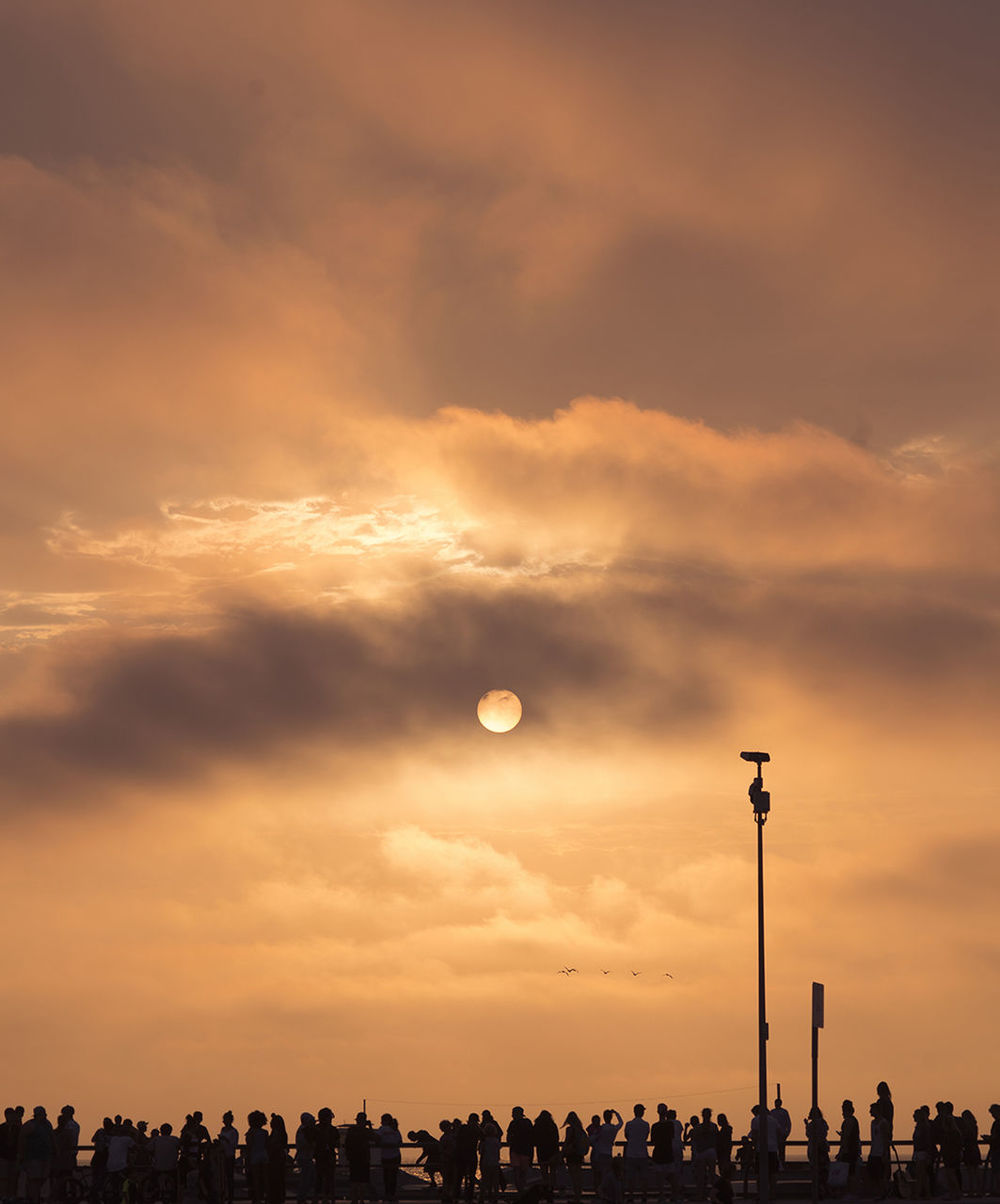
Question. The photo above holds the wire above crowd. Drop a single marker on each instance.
(613, 1159)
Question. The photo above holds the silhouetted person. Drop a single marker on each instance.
(772, 1141)
(604, 1146)
(229, 1135)
(490, 1137)
(636, 1153)
(724, 1146)
(972, 1159)
(949, 1140)
(467, 1155)
(327, 1146)
(276, 1146)
(357, 1151)
(520, 1147)
(878, 1151)
(390, 1142)
(256, 1157)
(993, 1154)
(661, 1134)
(10, 1171)
(166, 1147)
(37, 1153)
(704, 1142)
(305, 1156)
(782, 1126)
(448, 1148)
(67, 1144)
(818, 1147)
(883, 1098)
(430, 1152)
(849, 1151)
(593, 1129)
(545, 1138)
(924, 1152)
(573, 1151)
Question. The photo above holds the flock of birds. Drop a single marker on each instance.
(568, 970)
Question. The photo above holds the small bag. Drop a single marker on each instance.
(839, 1175)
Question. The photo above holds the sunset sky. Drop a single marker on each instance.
(359, 358)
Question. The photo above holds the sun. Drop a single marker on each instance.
(499, 710)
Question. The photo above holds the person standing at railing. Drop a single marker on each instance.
(575, 1145)
(850, 1143)
(256, 1157)
(724, 1146)
(229, 1135)
(37, 1153)
(276, 1145)
(327, 1145)
(636, 1153)
(67, 1145)
(390, 1142)
(704, 1140)
(818, 1147)
(604, 1146)
(520, 1147)
(357, 1149)
(166, 1151)
(782, 1123)
(467, 1155)
(305, 1157)
(993, 1156)
(490, 1137)
(545, 1136)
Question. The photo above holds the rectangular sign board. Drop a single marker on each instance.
(818, 1004)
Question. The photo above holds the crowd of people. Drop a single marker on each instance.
(618, 1161)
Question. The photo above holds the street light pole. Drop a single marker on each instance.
(761, 800)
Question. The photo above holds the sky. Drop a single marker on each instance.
(358, 359)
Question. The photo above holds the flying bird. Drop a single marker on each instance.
(605, 971)
(667, 974)
(570, 970)
(636, 973)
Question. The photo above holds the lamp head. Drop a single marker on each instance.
(759, 758)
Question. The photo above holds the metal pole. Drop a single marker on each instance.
(764, 1170)
(813, 1112)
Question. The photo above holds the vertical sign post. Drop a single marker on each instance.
(817, 1024)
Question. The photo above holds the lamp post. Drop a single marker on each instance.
(761, 801)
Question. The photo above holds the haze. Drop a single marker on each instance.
(641, 360)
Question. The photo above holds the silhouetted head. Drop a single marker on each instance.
(595, 1119)
(361, 1118)
(671, 1114)
(325, 1115)
(875, 1109)
(38, 1112)
(706, 1114)
(995, 1110)
(227, 1118)
(639, 1109)
(777, 1102)
(517, 1112)
(571, 1120)
(67, 1110)
(723, 1119)
(882, 1091)
(847, 1107)
(473, 1118)
(661, 1111)
(197, 1117)
(608, 1113)
(167, 1128)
